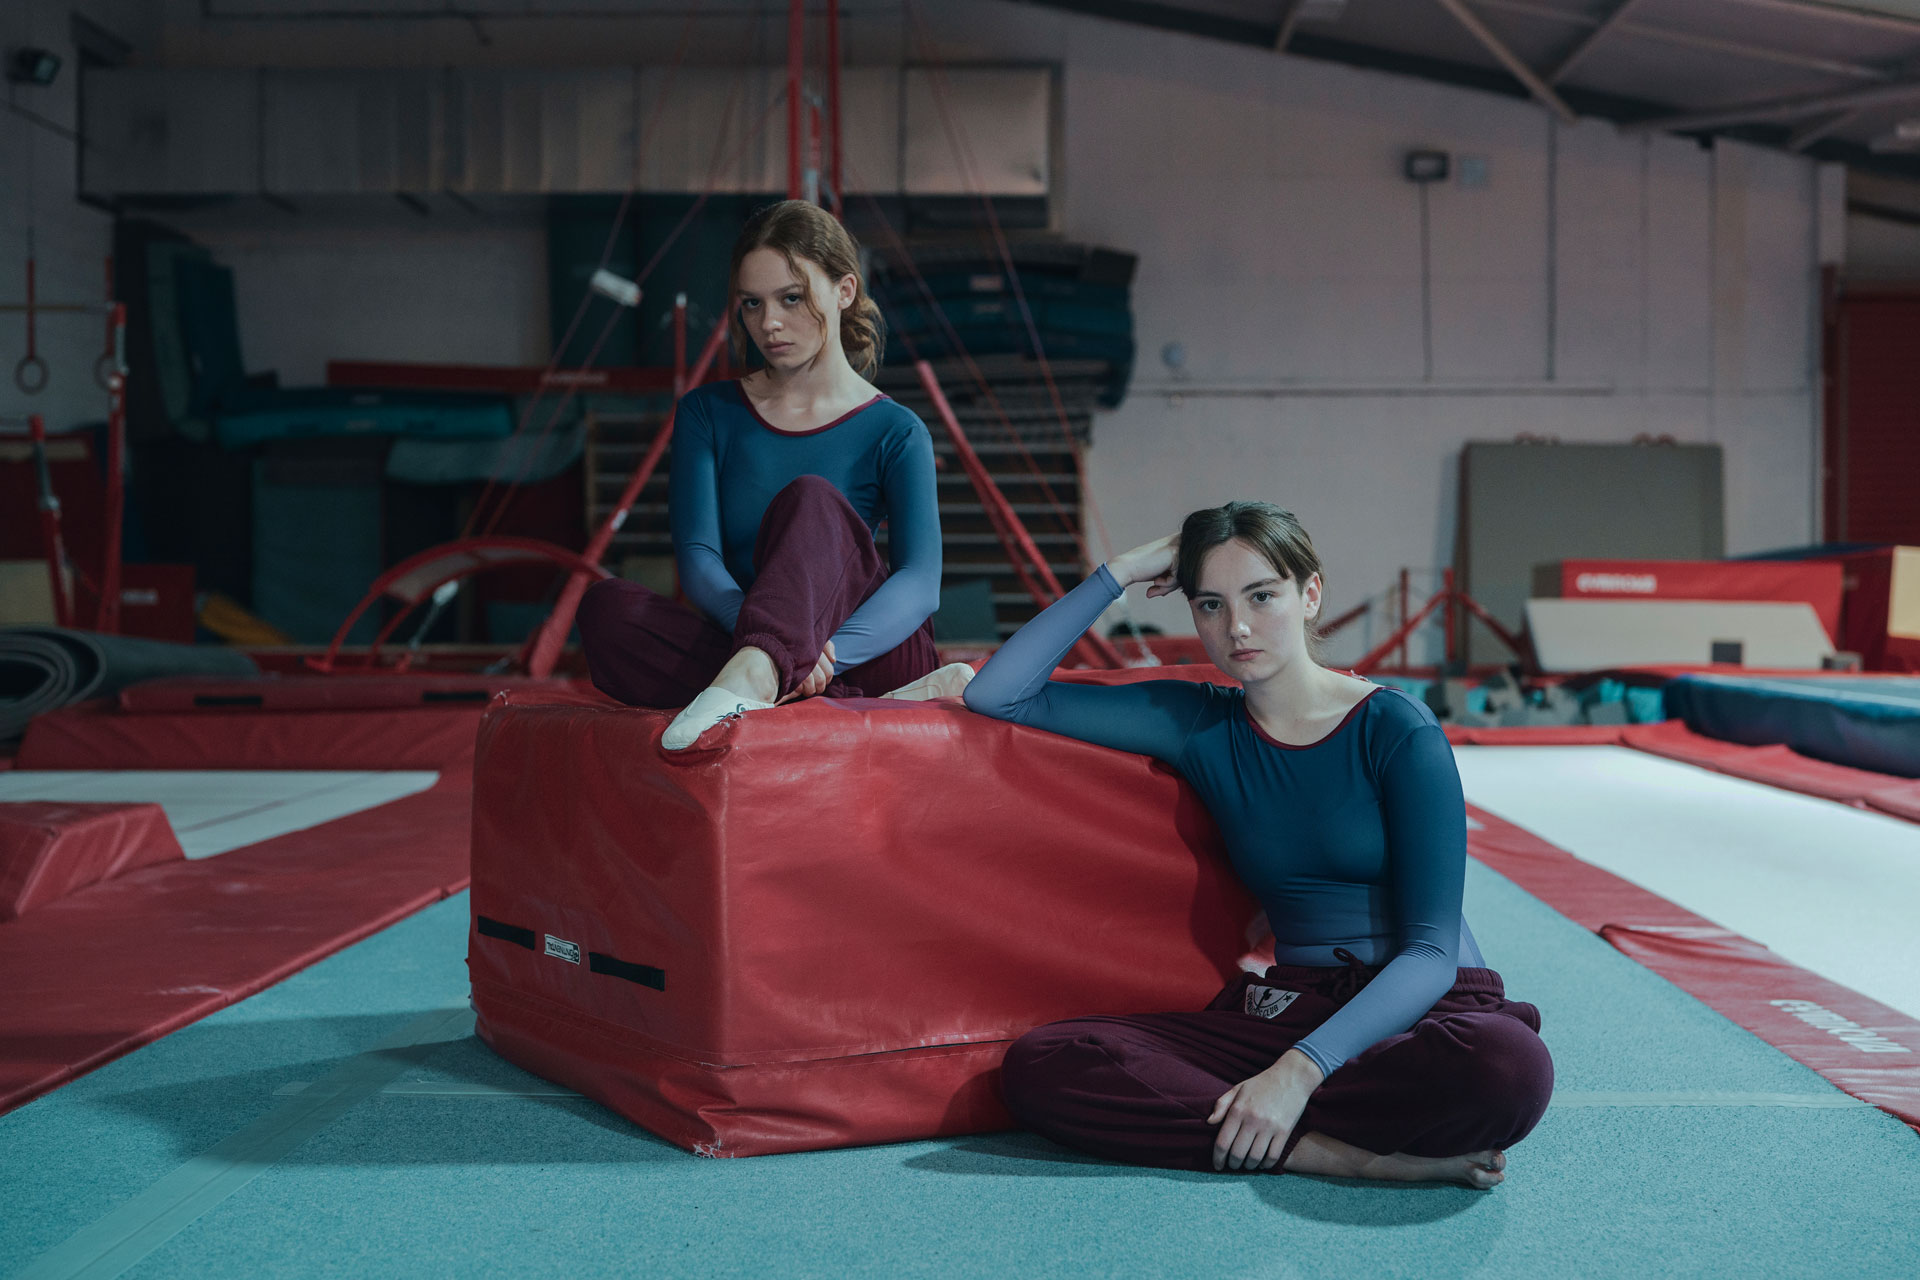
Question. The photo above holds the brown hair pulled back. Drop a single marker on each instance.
(797, 229)
(1273, 532)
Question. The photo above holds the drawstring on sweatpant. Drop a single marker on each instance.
(1346, 984)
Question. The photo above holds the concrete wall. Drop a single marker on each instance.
(1339, 348)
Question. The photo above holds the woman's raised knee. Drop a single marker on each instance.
(1505, 1067)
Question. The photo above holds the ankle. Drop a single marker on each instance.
(750, 672)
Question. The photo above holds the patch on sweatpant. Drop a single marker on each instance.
(1267, 1002)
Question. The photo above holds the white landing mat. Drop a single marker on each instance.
(213, 812)
(1831, 888)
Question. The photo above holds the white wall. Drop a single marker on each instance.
(1599, 286)
(37, 191)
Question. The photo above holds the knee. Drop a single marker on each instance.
(1039, 1063)
(810, 491)
(1501, 1067)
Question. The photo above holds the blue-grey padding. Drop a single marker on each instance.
(46, 668)
(1867, 724)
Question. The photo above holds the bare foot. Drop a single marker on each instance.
(1328, 1158)
(947, 682)
(1482, 1170)
(751, 674)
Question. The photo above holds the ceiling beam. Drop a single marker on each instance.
(1782, 109)
(1494, 45)
(1688, 40)
(1587, 42)
(1287, 24)
(1808, 134)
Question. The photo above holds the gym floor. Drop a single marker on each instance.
(346, 1122)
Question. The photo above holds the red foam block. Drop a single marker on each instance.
(49, 848)
(823, 925)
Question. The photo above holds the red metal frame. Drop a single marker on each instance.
(543, 649)
(836, 177)
(1095, 650)
(796, 69)
(110, 372)
(1452, 600)
(50, 541)
(419, 576)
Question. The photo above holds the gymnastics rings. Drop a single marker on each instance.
(30, 375)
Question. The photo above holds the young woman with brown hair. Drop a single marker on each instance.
(777, 485)
(1378, 1045)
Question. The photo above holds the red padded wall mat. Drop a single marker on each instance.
(122, 963)
(1862, 1046)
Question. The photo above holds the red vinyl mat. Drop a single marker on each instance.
(106, 970)
(1862, 1046)
(122, 963)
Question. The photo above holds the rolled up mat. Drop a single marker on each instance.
(46, 668)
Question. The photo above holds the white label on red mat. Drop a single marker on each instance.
(561, 949)
(1861, 1038)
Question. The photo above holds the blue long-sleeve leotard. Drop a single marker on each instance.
(728, 464)
(1357, 841)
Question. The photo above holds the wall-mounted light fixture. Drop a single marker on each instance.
(33, 66)
(1426, 166)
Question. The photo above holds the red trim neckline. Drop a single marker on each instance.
(1270, 740)
(747, 400)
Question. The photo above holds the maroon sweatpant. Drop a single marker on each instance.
(1471, 1075)
(815, 563)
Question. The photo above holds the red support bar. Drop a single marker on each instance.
(1019, 544)
(796, 69)
(1402, 615)
(1453, 629)
(543, 650)
(1405, 629)
(836, 174)
(1358, 610)
(50, 542)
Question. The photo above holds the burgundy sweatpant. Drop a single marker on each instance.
(1472, 1074)
(815, 563)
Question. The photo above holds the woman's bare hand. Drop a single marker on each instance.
(817, 680)
(1257, 1115)
(1153, 563)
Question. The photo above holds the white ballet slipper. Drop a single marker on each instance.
(947, 682)
(712, 706)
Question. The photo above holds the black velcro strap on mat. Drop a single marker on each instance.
(455, 695)
(644, 974)
(505, 932)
